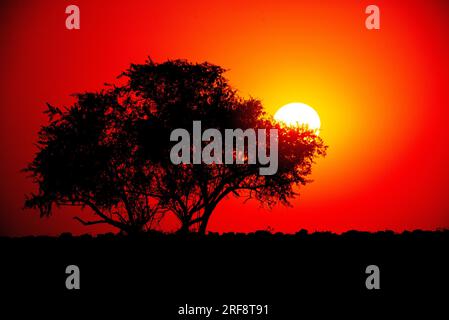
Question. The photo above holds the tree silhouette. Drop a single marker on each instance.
(111, 150)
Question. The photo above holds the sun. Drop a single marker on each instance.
(299, 114)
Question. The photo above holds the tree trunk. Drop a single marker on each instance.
(205, 220)
(185, 228)
(134, 230)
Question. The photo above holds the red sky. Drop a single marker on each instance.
(382, 96)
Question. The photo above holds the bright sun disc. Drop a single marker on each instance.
(299, 114)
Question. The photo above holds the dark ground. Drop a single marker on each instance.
(318, 273)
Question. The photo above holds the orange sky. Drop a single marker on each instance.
(382, 96)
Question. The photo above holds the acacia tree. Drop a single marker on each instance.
(110, 151)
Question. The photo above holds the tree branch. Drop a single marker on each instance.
(88, 223)
(117, 224)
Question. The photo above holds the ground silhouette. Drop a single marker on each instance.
(296, 274)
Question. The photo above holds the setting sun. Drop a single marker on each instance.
(299, 114)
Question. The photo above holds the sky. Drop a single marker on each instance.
(382, 96)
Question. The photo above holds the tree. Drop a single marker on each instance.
(111, 150)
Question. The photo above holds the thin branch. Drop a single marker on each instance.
(88, 223)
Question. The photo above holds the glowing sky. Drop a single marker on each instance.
(382, 96)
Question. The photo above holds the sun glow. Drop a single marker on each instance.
(299, 114)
